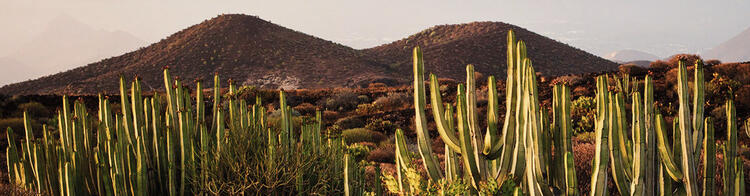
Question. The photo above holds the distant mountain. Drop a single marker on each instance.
(252, 51)
(736, 49)
(65, 44)
(13, 70)
(630, 55)
(447, 49)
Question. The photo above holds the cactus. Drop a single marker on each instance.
(684, 147)
(601, 155)
(731, 161)
(709, 147)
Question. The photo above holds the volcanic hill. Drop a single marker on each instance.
(252, 51)
(447, 49)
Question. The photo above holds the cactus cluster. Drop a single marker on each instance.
(626, 146)
(519, 153)
(158, 147)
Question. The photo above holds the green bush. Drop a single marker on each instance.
(586, 137)
(583, 114)
(358, 151)
(357, 135)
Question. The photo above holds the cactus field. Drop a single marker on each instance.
(681, 129)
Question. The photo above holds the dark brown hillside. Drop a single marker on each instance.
(448, 48)
(252, 51)
(245, 48)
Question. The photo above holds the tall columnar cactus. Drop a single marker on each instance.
(151, 147)
(731, 167)
(564, 172)
(709, 154)
(685, 170)
(601, 154)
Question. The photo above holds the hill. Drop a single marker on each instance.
(252, 51)
(244, 48)
(631, 55)
(449, 48)
(736, 49)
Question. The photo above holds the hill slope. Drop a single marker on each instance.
(244, 48)
(447, 49)
(736, 49)
(252, 51)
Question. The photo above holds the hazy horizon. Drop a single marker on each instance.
(661, 28)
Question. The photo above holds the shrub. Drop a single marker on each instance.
(330, 116)
(570, 80)
(721, 87)
(583, 114)
(17, 125)
(689, 59)
(358, 151)
(586, 137)
(357, 135)
(10, 189)
(349, 122)
(712, 62)
(377, 85)
(632, 70)
(385, 154)
(342, 101)
(305, 108)
(382, 126)
(393, 100)
(363, 99)
(659, 65)
(35, 109)
(367, 108)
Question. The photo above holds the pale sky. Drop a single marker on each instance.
(597, 26)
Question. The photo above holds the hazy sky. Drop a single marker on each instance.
(598, 26)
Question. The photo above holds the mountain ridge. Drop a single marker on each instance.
(252, 51)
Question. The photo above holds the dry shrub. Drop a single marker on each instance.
(736, 71)
(742, 97)
(632, 70)
(366, 108)
(329, 116)
(659, 65)
(345, 100)
(689, 59)
(712, 62)
(305, 108)
(570, 80)
(35, 109)
(8, 189)
(385, 154)
(350, 122)
(583, 154)
(393, 100)
(377, 85)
